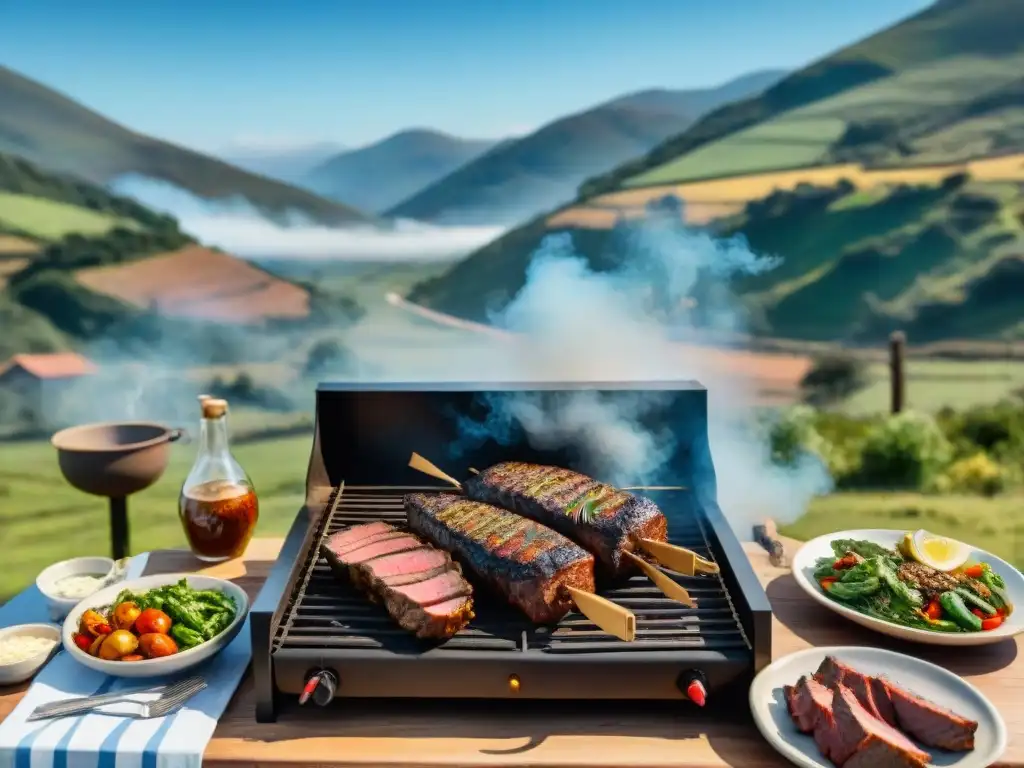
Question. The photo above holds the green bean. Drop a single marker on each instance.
(954, 606)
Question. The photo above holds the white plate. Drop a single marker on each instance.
(803, 572)
(168, 664)
(768, 704)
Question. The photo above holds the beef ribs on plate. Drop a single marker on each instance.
(929, 723)
(853, 730)
(421, 588)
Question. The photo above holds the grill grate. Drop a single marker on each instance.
(324, 612)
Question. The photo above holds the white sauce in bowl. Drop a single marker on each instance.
(78, 586)
(16, 648)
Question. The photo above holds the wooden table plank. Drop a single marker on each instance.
(560, 734)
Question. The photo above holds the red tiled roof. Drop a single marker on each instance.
(62, 365)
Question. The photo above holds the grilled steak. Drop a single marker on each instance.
(419, 586)
(527, 563)
(852, 730)
(808, 701)
(870, 692)
(933, 583)
(929, 723)
(563, 499)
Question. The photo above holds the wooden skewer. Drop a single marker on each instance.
(668, 587)
(420, 464)
(474, 470)
(678, 559)
(612, 618)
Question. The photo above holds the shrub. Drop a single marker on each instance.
(977, 474)
(908, 450)
(833, 378)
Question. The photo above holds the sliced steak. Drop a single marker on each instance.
(409, 566)
(343, 540)
(603, 520)
(929, 723)
(527, 563)
(854, 728)
(420, 587)
(872, 696)
(808, 701)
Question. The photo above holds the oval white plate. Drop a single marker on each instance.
(803, 572)
(768, 704)
(168, 664)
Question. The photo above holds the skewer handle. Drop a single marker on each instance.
(612, 618)
(420, 464)
(668, 587)
(679, 559)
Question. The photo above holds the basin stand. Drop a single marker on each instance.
(119, 526)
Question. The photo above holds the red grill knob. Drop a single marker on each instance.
(320, 686)
(696, 692)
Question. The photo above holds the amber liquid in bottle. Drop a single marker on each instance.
(218, 506)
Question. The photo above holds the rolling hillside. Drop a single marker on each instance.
(383, 174)
(79, 264)
(888, 176)
(59, 134)
(520, 178)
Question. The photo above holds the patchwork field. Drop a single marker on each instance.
(50, 220)
(714, 198)
(199, 283)
(10, 245)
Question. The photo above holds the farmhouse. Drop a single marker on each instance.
(38, 381)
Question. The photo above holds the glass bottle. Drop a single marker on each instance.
(218, 506)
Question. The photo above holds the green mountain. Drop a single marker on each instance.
(520, 178)
(59, 134)
(382, 174)
(913, 145)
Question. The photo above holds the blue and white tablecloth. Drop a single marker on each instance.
(104, 741)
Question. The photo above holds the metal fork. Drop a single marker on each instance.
(170, 698)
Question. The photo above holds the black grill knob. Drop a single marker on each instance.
(320, 686)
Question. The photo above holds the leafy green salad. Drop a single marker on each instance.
(890, 585)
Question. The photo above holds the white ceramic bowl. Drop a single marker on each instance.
(20, 671)
(80, 566)
(803, 572)
(168, 664)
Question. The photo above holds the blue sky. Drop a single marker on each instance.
(219, 73)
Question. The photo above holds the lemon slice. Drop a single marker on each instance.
(940, 553)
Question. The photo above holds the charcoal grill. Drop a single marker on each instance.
(307, 624)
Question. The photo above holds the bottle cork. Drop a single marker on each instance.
(214, 408)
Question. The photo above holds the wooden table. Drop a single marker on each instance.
(371, 734)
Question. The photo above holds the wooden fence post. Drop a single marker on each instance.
(897, 381)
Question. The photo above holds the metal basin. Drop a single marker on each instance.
(114, 459)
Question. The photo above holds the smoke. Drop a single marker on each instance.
(235, 226)
(582, 325)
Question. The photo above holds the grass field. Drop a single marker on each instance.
(49, 220)
(43, 520)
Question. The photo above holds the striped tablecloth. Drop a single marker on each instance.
(109, 741)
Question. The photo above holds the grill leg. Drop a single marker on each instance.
(119, 526)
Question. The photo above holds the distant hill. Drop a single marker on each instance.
(520, 178)
(888, 176)
(290, 164)
(55, 132)
(383, 174)
(79, 264)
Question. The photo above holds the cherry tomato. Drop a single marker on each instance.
(152, 621)
(991, 622)
(974, 571)
(133, 657)
(83, 641)
(934, 610)
(155, 645)
(125, 615)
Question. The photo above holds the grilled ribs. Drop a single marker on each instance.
(603, 520)
(528, 564)
(419, 586)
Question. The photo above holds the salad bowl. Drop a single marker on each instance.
(811, 554)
